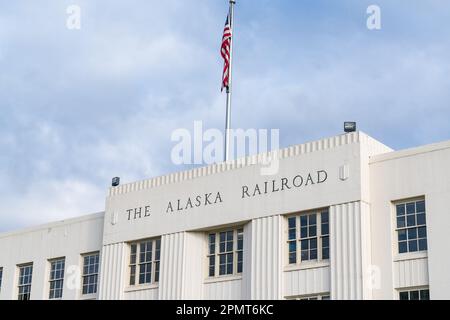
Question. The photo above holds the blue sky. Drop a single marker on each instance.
(81, 106)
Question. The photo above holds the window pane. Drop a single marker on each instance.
(424, 295)
(313, 254)
(325, 242)
(401, 222)
(312, 219)
(292, 257)
(291, 234)
(222, 269)
(305, 244)
(141, 278)
(230, 245)
(292, 246)
(401, 235)
(230, 268)
(421, 219)
(411, 220)
(324, 217)
(400, 209)
(422, 232)
(313, 243)
(412, 245)
(305, 255)
(325, 229)
(410, 208)
(240, 240)
(303, 221)
(132, 275)
(312, 231)
(412, 233)
(404, 296)
(414, 295)
(423, 244)
(325, 253)
(420, 206)
(402, 247)
(291, 222)
(229, 258)
(304, 232)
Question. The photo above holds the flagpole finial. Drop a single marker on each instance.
(233, 1)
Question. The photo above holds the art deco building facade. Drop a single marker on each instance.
(342, 218)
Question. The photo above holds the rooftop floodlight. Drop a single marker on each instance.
(349, 126)
(115, 181)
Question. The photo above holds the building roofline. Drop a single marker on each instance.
(55, 224)
(290, 151)
(409, 152)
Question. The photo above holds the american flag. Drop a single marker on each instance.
(225, 52)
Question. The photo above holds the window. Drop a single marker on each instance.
(145, 260)
(411, 226)
(225, 252)
(56, 278)
(325, 296)
(25, 278)
(308, 237)
(90, 273)
(417, 294)
(1, 277)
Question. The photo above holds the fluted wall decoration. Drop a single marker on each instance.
(112, 271)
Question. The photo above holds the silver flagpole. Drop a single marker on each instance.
(228, 115)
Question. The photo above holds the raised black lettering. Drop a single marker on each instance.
(129, 213)
(297, 181)
(256, 190)
(309, 179)
(169, 207)
(245, 192)
(284, 183)
(198, 201)
(273, 187)
(137, 213)
(218, 197)
(189, 204)
(321, 174)
(207, 195)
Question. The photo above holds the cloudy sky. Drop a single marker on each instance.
(81, 106)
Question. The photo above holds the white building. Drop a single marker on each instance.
(343, 218)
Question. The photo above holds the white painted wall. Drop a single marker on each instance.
(68, 239)
(422, 171)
